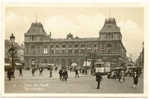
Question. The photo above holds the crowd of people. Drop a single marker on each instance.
(120, 75)
(63, 74)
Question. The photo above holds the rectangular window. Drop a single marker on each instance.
(45, 51)
(57, 46)
(76, 51)
(63, 46)
(33, 49)
(82, 45)
(70, 46)
(82, 51)
(52, 51)
(57, 51)
(51, 46)
(63, 51)
(76, 46)
(70, 51)
(38, 50)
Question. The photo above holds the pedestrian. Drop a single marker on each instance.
(70, 69)
(86, 71)
(40, 70)
(60, 74)
(33, 71)
(20, 72)
(56, 68)
(50, 73)
(98, 79)
(9, 73)
(135, 80)
(122, 76)
(65, 75)
(119, 75)
(76, 73)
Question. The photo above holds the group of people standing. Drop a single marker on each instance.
(11, 73)
(41, 69)
(63, 74)
(135, 77)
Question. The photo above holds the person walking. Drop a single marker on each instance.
(65, 75)
(98, 79)
(33, 71)
(56, 68)
(76, 73)
(9, 73)
(122, 76)
(60, 74)
(51, 72)
(135, 80)
(40, 70)
(20, 72)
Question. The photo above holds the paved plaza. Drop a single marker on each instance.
(84, 84)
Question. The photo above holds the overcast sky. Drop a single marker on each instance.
(80, 21)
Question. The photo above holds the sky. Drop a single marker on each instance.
(80, 21)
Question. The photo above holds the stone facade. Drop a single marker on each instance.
(44, 49)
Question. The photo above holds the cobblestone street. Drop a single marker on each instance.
(84, 84)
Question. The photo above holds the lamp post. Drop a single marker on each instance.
(12, 52)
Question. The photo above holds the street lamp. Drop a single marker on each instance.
(12, 52)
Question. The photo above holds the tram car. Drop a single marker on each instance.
(102, 67)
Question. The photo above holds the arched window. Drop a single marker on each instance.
(57, 46)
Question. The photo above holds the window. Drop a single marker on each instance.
(109, 45)
(70, 46)
(82, 45)
(51, 46)
(57, 51)
(38, 50)
(52, 51)
(63, 51)
(109, 48)
(76, 51)
(82, 51)
(44, 60)
(33, 49)
(57, 46)
(63, 46)
(45, 51)
(69, 51)
(76, 45)
(27, 50)
(32, 38)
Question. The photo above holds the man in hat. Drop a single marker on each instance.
(135, 80)
(98, 79)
